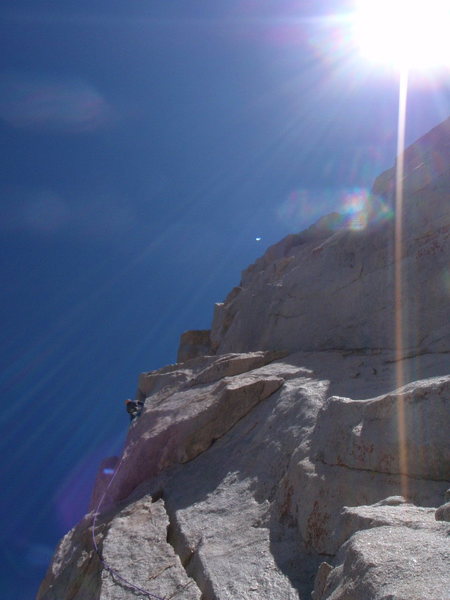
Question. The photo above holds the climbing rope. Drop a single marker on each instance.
(113, 572)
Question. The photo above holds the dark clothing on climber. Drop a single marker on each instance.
(134, 408)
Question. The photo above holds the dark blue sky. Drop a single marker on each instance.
(145, 146)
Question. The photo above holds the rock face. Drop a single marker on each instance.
(389, 559)
(332, 286)
(194, 343)
(297, 456)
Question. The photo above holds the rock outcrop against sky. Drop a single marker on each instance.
(331, 286)
(292, 452)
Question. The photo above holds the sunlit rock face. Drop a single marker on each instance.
(333, 286)
(262, 472)
(235, 485)
(389, 556)
(427, 165)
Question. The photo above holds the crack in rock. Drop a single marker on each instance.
(395, 473)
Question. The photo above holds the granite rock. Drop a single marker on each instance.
(373, 434)
(302, 453)
(194, 343)
(332, 286)
(251, 515)
(355, 457)
(176, 427)
(395, 563)
(135, 558)
(443, 512)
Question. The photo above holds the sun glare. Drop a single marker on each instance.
(404, 33)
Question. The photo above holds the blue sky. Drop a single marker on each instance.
(145, 146)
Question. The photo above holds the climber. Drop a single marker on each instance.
(134, 408)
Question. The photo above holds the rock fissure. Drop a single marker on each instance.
(181, 590)
(281, 316)
(349, 283)
(187, 551)
(375, 472)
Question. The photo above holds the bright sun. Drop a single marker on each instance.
(404, 33)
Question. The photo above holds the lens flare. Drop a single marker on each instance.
(398, 268)
(362, 209)
(357, 208)
(404, 33)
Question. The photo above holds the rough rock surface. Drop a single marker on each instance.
(365, 435)
(395, 552)
(268, 472)
(331, 287)
(176, 427)
(253, 514)
(427, 163)
(443, 512)
(135, 553)
(194, 343)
